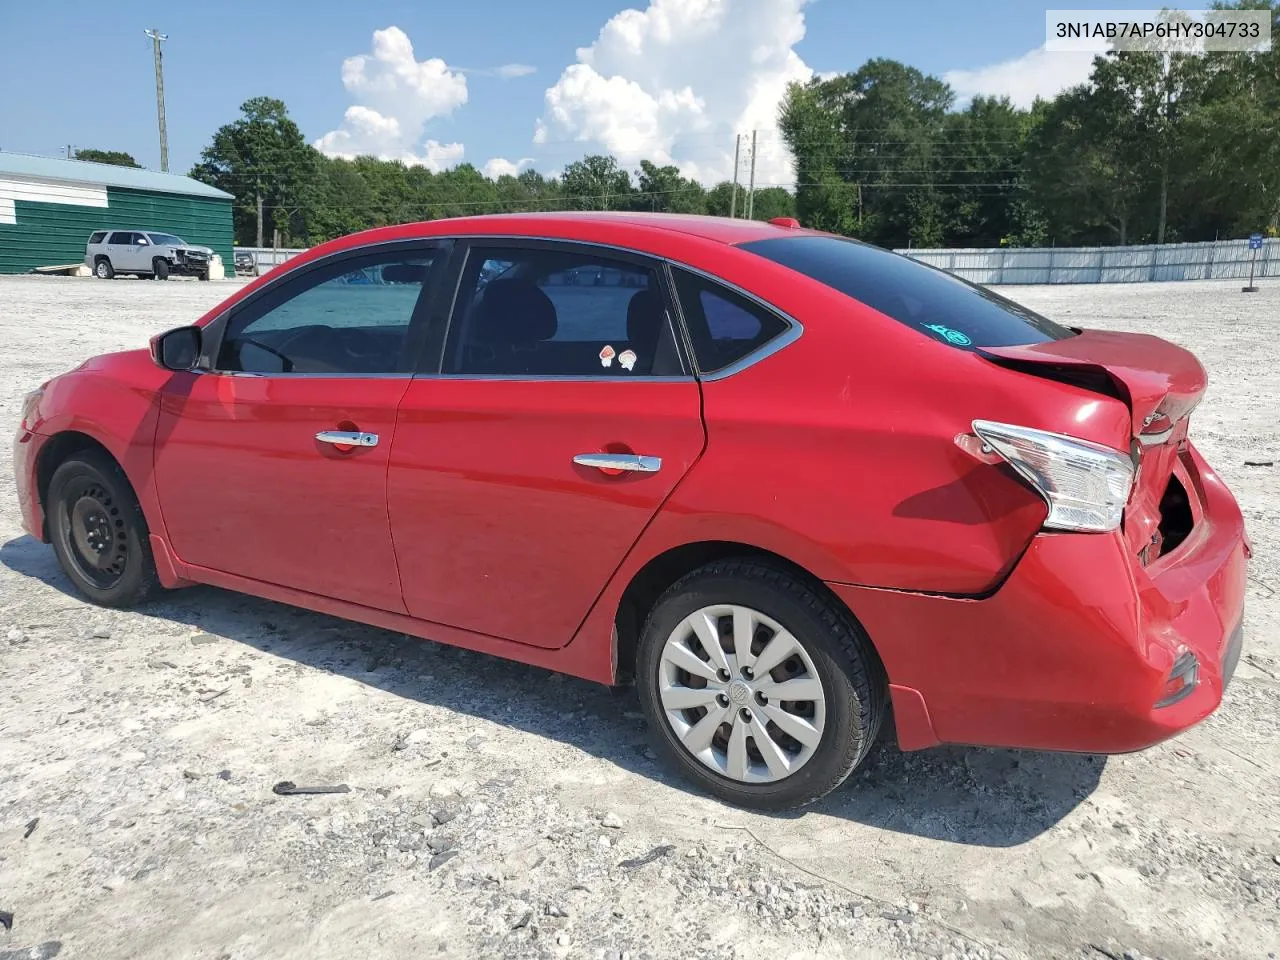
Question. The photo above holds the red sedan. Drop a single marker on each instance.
(788, 484)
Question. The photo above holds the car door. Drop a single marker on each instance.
(122, 250)
(561, 415)
(272, 463)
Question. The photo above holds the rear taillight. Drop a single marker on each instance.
(1085, 484)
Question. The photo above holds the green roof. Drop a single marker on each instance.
(105, 175)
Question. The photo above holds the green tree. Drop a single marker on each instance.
(663, 190)
(595, 183)
(1233, 140)
(868, 150)
(263, 160)
(983, 147)
(117, 158)
(719, 199)
(772, 202)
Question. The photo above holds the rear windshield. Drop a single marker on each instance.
(937, 304)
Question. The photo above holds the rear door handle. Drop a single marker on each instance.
(342, 438)
(619, 461)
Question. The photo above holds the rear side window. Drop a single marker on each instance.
(935, 303)
(725, 326)
(98, 237)
(122, 237)
(547, 312)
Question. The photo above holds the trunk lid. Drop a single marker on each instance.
(1161, 383)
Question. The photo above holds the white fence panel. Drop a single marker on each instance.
(265, 258)
(1218, 260)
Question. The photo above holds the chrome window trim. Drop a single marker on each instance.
(219, 323)
(554, 378)
(655, 262)
(764, 351)
(306, 375)
(795, 329)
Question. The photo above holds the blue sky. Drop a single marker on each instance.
(647, 89)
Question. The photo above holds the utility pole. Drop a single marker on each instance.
(259, 216)
(156, 38)
(751, 190)
(733, 203)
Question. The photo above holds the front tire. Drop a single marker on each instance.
(99, 534)
(160, 268)
(103, 270)
(758, 688)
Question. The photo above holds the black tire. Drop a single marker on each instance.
(160, 268)
(99, 533)
(204, 274)
(103, 270)
(852, 678)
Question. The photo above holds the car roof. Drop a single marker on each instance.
(718, 229)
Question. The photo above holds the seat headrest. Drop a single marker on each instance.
(516, 312)
(645, 317)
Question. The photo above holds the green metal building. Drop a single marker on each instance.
(49, 206)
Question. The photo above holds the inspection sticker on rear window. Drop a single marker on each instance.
(951, 336)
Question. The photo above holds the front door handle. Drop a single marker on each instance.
(343, 438)
(619, 461)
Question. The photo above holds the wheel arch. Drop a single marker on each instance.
(57, 450)
(652, 579)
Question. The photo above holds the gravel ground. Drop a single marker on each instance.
(497, 810)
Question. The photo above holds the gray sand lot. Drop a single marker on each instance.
(498, 810)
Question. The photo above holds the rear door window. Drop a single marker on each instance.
(546, 311)
(123, 238)
(928, 300)
(725, 326)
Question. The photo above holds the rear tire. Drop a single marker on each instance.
(160, 268)
(762, 766)
(99, 533)
(103, 270)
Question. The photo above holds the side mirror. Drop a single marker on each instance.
(144, 242)
(178, 349)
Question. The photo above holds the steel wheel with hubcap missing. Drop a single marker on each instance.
(742, 694)
(93, 532)
(98, 531)
(758, 685)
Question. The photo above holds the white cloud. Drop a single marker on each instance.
(674, 83)
(502, 167)
(1035, 74)
(510, 70)
(396, 95)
